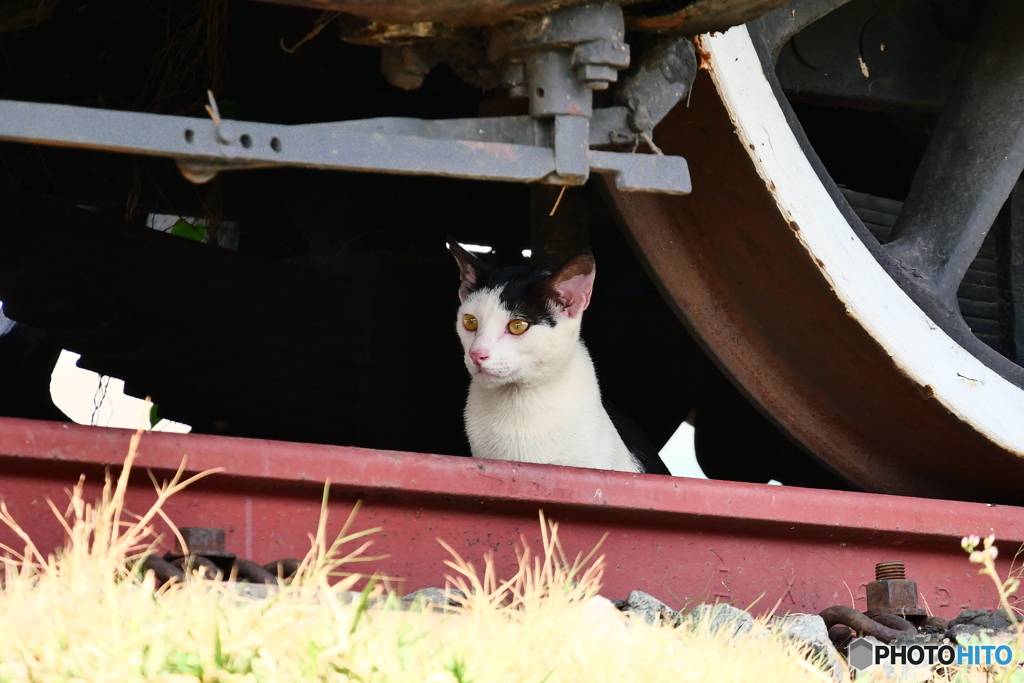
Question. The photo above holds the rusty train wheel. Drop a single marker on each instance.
(800, 309)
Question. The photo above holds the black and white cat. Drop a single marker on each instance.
(533, 394)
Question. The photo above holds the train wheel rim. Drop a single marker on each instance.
(854, 370)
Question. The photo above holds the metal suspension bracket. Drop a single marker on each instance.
(557, 61)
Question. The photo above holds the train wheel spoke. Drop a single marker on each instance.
(973, 159)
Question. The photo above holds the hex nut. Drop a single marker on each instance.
(597, 76)
(894, 596)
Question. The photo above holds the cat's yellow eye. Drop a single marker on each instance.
(518, 326)
(470, 322)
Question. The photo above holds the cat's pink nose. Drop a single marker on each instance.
(479, 357)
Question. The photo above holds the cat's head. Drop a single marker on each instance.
(520, 325)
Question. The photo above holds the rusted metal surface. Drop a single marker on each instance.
(893, 597)
(203, 540)
(892, 611)
(247, 570)
(162, 569)
(692, 539)
(740, 279)
(205, 547)
(841, 615)
(192, 563)
(703, 16)
(285, 568)
(682, 17)
(893, 593)
(887, 571)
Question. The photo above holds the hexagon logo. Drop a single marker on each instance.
(862, 654)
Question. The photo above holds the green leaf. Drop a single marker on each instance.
(178, 662)
(457, 668)
(218, 651)
(154, 416)
(190, 232)
(363, 598)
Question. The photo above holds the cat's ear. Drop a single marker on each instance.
(471, 269)
(571, 285)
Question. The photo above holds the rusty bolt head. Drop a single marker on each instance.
(204, 541)
(201, 539)
(894, 596)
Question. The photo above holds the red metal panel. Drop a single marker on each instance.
(676, 538)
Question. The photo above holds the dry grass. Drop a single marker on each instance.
(85, 615)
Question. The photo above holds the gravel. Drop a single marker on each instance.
(435, 596)
(650, 608)
(722, 616)
(972, 623)
(809, 630)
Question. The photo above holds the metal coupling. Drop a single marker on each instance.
(565, 55)
(892, 609)
(203, 549)
(841, 615)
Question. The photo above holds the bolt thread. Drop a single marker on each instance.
(888, 571)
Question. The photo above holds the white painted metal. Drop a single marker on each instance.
(924, 353)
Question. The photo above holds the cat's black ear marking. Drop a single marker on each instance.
(471, 269)
(570, 286)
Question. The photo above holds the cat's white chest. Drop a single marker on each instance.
(560, 422)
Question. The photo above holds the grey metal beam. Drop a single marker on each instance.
(400, 146)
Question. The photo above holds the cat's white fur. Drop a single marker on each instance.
(535, 398)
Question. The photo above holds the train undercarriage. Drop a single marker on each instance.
(804, 216)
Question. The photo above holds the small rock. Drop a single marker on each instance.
(653, 610)
(427, 595)
(972, 623)
(372, 600)
(348, 597)
(253, 591)
(603, 618)
(250, 591)
(722, 616)
(968, 615)
(995, 621)
(962, 634)
(809, 630)
(620, 605)
(436, 596)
